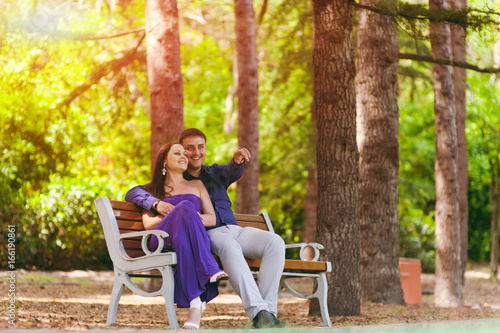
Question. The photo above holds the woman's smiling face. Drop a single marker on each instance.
(176, 158)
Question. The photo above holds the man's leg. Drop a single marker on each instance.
(270, 247)
(228, 250)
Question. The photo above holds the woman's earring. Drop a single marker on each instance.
(164, 170)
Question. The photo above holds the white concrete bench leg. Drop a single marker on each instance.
(168, 293)
(115, 299)
(322, 295)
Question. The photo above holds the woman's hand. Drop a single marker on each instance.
(164, 208)
(201, 217)
(150, 220)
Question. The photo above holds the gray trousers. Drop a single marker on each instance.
(232, 244)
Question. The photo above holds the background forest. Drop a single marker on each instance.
(74, 119)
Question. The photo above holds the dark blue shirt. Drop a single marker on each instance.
(216, 178)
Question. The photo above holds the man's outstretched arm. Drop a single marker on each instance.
(235, 168)
(140, 197)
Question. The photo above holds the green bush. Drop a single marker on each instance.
(416, 237)
(60, 228)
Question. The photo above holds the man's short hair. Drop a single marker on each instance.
(191, 132)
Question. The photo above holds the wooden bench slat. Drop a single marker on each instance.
(128, 215)
(257, 225)
(291, 264)
(135, 253)
(120, 205)
(249, 218)
(132, 244)
(130, 225)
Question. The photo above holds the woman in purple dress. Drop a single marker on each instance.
(197, 272)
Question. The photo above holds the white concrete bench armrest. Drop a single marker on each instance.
(303, 246)
(160, 234)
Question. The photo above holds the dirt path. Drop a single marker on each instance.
(79, 300)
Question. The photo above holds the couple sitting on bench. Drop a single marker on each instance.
(189, 201)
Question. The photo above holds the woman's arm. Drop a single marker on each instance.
(208, 216)
(150, 220)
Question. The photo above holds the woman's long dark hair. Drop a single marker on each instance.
(157, 185)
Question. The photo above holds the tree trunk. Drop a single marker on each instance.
(459, 50)
(230, 115)
(164, 72)
(378, 143)
(495, 203)
(337, 153)
(247, 189)
(311, 200)
(448, 288)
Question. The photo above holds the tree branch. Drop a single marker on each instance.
(102, 71)
(470, 17)
(83, 37)
(109, 37)
(263, 10)
(465, 65)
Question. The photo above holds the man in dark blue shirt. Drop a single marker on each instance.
(230, 242)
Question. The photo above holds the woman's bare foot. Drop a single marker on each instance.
(218, 276)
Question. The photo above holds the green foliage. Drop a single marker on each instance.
(60, 228)
(416, 186)
(413, 18)
(285, 94)
(483, 134)
(416, 171)
(416, 235)
(64, 141)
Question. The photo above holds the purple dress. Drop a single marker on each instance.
(190, 241)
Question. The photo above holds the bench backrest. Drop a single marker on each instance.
(111, 230)
(129, 219)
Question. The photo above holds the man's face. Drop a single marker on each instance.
(196, 150)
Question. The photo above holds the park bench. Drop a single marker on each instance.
(127, 241)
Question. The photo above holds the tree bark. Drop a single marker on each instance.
(247, 189)
(495, 215)
(164, 72)
(378, 144)
(459, 50)
(448, 287)
(311, 200)
(337, 153)
(230, 114)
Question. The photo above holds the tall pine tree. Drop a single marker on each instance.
(459, 51)
(247, 189)
(378, 143)
(448, 288)
(337, 152)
